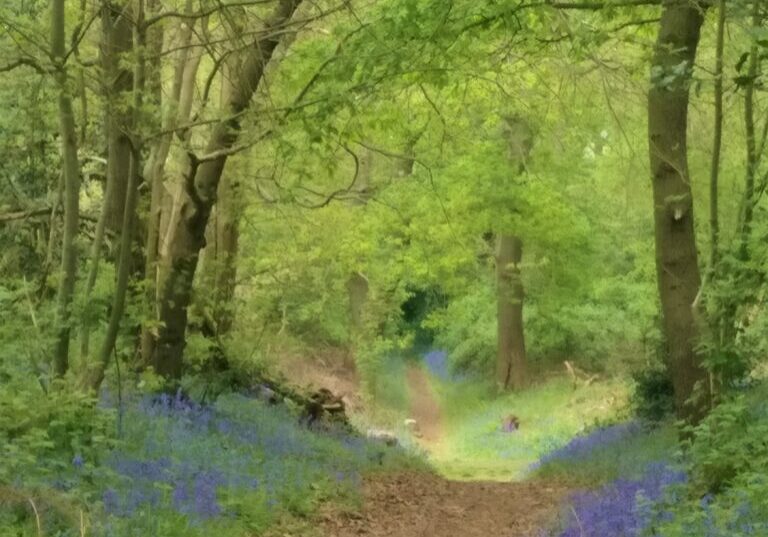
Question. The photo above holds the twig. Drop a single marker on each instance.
(37, 517)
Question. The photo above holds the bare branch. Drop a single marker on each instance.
(337, 193)
(202, 14)
(28, 62)
(593, 6)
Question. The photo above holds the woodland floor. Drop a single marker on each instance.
(423, 504)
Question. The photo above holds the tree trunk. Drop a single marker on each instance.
(357, 291)
(176, 110)
(117, 43)
(714, 223)
(511, 359)
(202, 181)
(753, 157)
(223, 226)
(129, 209)
(71, 168)
(228, 212)
(357, 283)
(676, 258)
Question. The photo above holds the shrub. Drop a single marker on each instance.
(653, 396)
(731, 442)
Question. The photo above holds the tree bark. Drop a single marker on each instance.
(117, 44)
(129, 208)
(227, 233)
(714, 224)
(71, 172)
(676, 257)
(752, 157)
(201, 184)
(357, 283)
(223, 227)
(175, 109)
(511, 359)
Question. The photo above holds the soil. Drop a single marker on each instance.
(427, 505)
(424, 408)
(419, 504)
(325, 368)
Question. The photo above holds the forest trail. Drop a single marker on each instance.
(420, 504)
(427, 505)
(425, 408)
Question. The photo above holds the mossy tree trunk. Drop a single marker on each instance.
(511, 360)
(676, 257)
(201, 183)
(71, 174)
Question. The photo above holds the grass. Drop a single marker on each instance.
(551, 413)
(627, 457)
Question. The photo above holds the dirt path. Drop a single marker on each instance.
(427, 505)
(424, 408)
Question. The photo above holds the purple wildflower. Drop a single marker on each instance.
(206, 505)
(620, 508)
(583, 446)
(437, 363)
(111, 501)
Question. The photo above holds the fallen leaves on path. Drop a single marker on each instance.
(423, 504)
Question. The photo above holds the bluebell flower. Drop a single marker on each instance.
(582, 446)
(437, 364)
(111, 501)
(620, 508)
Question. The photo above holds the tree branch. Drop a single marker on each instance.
(29, 62)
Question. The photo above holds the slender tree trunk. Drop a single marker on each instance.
(176, 110)
(129, 209)
(81, 86)
(229, 206)
(93, 270)
(228, 212)
(357, 283)
(676, 258)
(357, 291)
(752, 157)
(714, 224)
(117, 43)
(71, 166)
(223, 226)
(405, 165)
(511, 360)
(188, 232)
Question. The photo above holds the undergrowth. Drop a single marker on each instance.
(641, 482)
(174, 468)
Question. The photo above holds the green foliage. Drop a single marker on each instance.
(43, 426)
(467, 328)
(726, 460)
(653, 396)
(731, 443)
